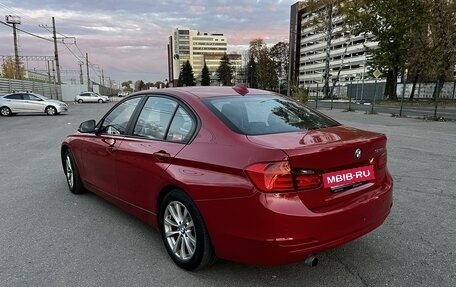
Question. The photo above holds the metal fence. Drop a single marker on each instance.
(52, 91)
(368, 90)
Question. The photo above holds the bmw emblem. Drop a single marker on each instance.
(358, 153)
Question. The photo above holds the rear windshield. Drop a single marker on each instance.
(259, 115)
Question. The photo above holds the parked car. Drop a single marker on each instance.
(24, 102)
(241, 174)
(122, 94)
(91, 97)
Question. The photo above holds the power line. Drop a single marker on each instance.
(68, 48)
(23, 31)
(15, 11)
(94, 67)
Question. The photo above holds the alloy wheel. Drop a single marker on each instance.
(51, 111)
(179, 230)
(69, 172)
(5, 111)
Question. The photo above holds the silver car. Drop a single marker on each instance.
(11, 104)
(91, 97)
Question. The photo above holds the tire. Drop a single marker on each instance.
(72, 174)
(184, 233)
(51, 111)
(80, 101)
(100, 101)
(5, 111)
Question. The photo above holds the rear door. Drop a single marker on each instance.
(86, 97)
(15, 102)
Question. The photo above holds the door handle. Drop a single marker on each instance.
(110, 142)
(161, 155)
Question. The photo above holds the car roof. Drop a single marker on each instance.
(207, 91)
(22, 92)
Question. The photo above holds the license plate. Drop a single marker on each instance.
(348, 176)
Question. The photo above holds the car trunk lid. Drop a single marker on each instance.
(328, 151)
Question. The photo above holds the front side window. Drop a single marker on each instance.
(117, 120)
(257, 115)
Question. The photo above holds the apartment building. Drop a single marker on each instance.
(308, 50)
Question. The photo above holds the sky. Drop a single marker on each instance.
(127, 40)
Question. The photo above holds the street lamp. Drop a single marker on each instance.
(14, 20)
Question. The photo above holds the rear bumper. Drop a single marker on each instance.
(271, 229)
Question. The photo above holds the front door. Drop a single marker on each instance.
(100, 150)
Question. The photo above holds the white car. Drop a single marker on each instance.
(11, 104)
(91, 97)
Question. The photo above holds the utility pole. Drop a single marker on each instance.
(81, 78)
(10, 19)
(88, 76)
(56, 51)
(49, 71)
(102, 78)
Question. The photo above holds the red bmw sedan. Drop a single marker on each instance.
(228, 172)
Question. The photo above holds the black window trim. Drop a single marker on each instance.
(127, 129)
(135, 115)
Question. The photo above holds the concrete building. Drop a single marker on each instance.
(308, 51)
(196, 47)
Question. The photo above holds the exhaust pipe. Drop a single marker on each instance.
(311, 261)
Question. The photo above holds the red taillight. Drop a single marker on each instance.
(308, 180)
(271, 177)
(278, 177)
(381, 161)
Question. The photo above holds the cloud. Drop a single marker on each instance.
(132, 36)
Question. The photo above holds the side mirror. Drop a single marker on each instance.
(87, 127)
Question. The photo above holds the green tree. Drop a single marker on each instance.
(265, 74)
(127, 86)
(139, 85)
(225, 71)
(186, 77)
(420, 53)
(10, 70)
(205, 76)
(280, 56)
(252, 73)
(394, 24)
(442, 33)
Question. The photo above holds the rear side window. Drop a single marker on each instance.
(14, 97)
(164, 119)
(182, 127)
(257, 115)
(155, 117)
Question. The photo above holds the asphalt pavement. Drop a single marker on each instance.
(50, 237)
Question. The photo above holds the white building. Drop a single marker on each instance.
(187, 44)
(308, 50)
